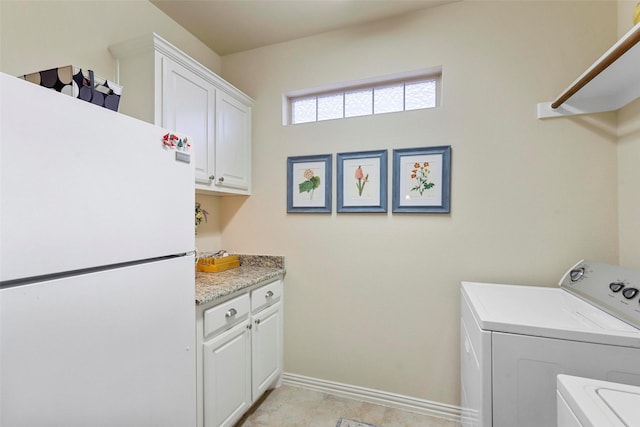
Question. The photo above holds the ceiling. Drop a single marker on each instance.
(230, 26)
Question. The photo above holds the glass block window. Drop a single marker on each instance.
(388, 99)
(304, 110)
(331, 106)
(387, 95)
(358, 103)
(419, 95)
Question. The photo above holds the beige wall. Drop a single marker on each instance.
(209, 235)
(373, 300)
(628, 170)
(628, 180)
(38, 35)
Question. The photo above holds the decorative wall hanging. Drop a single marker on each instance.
(309, 184)
(362, 181)
(422, 180)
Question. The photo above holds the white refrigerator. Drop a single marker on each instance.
(97, 304)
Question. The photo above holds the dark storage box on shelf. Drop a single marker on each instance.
(79, 83)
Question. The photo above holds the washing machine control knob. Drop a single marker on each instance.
(576, 274)
(629, 293)
(616, 286)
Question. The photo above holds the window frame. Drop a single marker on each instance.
(425, 75)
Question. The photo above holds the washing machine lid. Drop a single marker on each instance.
(601, 403)
(545, 312)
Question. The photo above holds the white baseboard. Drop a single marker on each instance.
(421, 406)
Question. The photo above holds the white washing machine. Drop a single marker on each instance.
(516, 340)
(585, 402)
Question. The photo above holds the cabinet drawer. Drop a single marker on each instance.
(226, 315)
(266, 295)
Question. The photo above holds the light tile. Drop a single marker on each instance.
(289, 406)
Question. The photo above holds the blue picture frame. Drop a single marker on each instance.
(362, 181)
(309, 181)
(422, 180)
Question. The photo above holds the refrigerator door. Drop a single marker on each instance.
(82, 186)
(111, 348)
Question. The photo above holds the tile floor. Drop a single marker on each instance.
(290, 406)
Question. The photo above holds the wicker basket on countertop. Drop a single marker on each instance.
(216, 264)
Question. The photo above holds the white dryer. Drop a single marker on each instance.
(585, 402)
(516, 340)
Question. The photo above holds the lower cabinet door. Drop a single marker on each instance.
(227, 376)
(266, 348)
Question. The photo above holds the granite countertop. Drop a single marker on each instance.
(253, 269)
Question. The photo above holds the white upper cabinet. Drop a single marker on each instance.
(168, 88)
(191, 112)
(233, 143)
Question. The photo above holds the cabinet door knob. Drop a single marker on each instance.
(268, 294)
(232, 312)
(221, 179)
(249, 326)
(211, 177)
(257, 321)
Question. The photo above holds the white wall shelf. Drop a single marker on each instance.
(612, 82)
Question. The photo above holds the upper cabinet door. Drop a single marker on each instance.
(188, 107)
(233, 144)
(166, 87)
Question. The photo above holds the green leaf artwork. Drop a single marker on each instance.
(312, 182)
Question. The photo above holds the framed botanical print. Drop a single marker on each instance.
(309, 184)
(422, 180)
(362, 181)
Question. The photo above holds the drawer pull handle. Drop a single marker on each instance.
(232, 312)
(268, 294)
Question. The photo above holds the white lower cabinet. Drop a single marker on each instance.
(266, 338)
(227, 376)
(241, 357)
